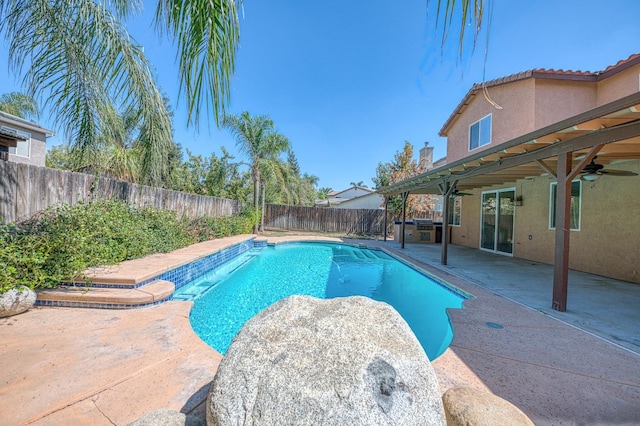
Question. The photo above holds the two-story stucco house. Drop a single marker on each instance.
(543, 148)
(22, 141)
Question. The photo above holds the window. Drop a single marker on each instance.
(576, 196)
(455, 211)
(23, 148)
(480, 133)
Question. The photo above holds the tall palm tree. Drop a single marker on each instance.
(258, 141)
(19, 104)
(78, 56)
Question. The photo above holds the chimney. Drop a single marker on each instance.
(426, 157)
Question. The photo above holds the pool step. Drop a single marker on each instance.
(113, 298)
(368, 254)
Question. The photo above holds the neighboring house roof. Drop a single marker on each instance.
(336, 197)
(12, 120)
(337, 193)
(373, 198)
(540, 73)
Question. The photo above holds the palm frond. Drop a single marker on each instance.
(84, 63)
(207, 35)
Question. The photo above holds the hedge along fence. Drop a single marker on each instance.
(26, 189)
(324, 219)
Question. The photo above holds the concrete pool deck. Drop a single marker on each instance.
(94, 366)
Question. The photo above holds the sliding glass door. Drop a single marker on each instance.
(497, 221)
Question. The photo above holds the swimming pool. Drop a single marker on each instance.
(225, 298)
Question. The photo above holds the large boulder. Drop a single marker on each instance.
(351, 361)
(473, 407)
(16, 301)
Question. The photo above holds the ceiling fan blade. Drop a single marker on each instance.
(613, 172)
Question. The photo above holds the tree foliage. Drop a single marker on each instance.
(79, 58)
(403, 167)
(258, 141)
(19, 104)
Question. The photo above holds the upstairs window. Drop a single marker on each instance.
(480, 133)
(23, 148)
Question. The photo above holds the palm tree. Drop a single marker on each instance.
(258, 141)
(78, 56)
(19, 104)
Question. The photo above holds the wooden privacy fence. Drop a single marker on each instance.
(27, 189)
(322, 219)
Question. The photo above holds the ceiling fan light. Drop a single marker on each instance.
(590, 177)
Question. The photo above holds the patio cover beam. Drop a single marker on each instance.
(589, 140)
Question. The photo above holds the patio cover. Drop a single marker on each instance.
(610, 131)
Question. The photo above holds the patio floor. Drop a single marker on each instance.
(92, 366)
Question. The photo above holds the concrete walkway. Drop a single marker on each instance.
(93, 366)
(81, 366)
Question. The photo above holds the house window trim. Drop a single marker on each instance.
(451, 218)
(478, 122)
(552, 203)
(15, 150)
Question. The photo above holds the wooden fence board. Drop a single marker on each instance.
(27, 189)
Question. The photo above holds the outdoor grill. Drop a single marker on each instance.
(423, 224)
(417, 231)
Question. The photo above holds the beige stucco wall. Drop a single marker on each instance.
(557, 100)
(607, 243)
(468, 233)
(619, 85)
(516, 117)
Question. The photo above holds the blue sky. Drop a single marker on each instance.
(348, 82)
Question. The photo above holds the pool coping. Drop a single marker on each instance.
(149, 280)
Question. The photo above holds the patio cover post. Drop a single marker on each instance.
(386, 204)
(446, 189)
(564, 177)
(563, 230)
(405, 195)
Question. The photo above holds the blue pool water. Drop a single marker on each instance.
(224, 299)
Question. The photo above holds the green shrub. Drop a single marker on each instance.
(60, 243)
(209, 228)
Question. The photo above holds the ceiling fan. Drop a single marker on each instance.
(456, 193)
(592, 171)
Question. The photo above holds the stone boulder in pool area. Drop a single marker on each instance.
(305, 360)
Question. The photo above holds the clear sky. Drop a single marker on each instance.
(349, 81)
